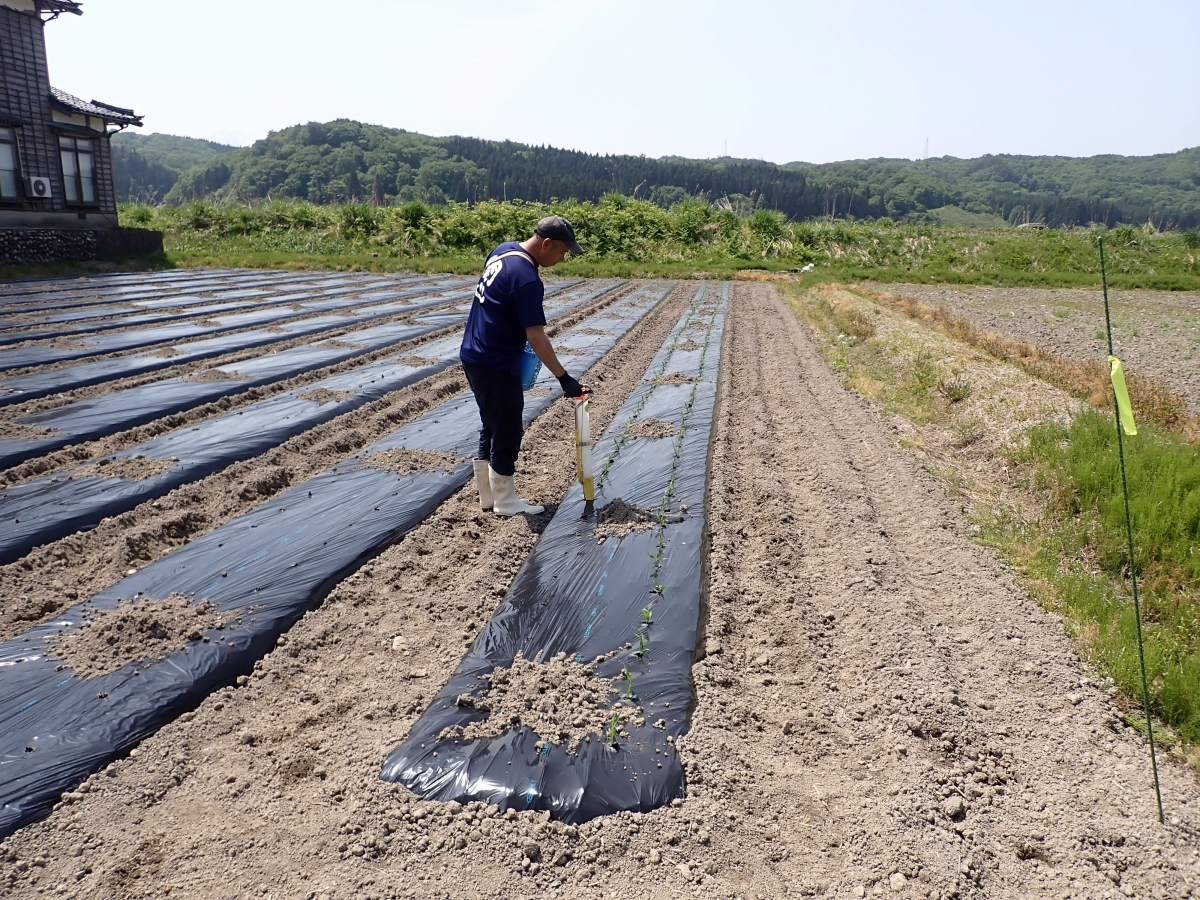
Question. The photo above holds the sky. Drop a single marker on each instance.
(781, 81)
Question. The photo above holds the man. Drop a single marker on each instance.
(506, 312)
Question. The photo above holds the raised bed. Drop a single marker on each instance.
(111, 342)
(95, 319)
(107, 288)
(116, 411)
(262, 571)
(44, 509)
(633, 600)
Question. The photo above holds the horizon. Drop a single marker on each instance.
(779, 82)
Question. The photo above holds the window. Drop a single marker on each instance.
(8, 164)
(78, 170)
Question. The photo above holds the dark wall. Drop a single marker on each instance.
(25, 101)
(25, 96)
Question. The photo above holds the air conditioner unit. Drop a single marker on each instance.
(40, 187)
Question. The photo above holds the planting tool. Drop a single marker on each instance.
(584, 464)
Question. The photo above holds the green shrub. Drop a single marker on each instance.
(621, 230)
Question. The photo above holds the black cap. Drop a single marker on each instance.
(559, 229)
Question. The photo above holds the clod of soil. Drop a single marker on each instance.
(561, 701)
(14, 431)
(416, 361)
(66, 343)
(135, 631)
(673, 378)
(166, 352)
(689, 344)
(407, 461)
(653, 428)
(569, 351)
(335, 344)
(592, 331)
(135, 468)
(539, 392)
(325, 395)
(618, 518)
(216, 375)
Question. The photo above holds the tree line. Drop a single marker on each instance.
(346, 161)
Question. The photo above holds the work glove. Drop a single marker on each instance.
(570, 386)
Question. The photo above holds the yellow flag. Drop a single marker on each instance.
(1123, 407)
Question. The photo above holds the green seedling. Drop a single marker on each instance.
(641, 651)
(613, 724)
(648, 610)
(628, 681)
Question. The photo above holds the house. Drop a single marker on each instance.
(55, 158)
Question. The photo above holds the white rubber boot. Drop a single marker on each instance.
(505, 501)
(484, 483)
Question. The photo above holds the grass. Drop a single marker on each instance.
(1079, 551)
(1071, 550)
(634, 238)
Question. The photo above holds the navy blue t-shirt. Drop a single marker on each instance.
(507, 300)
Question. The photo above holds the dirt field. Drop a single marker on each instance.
(880, 710)
(1154, 332)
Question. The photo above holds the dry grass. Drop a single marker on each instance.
(1153, 400)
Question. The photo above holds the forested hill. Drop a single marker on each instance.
(345, 160)
(146, 166)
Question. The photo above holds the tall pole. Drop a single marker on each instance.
(1137, 606)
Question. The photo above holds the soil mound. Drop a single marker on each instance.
(407, 461)
(135, 468)
(66, 343)
(689, 344)
(618, 518)
(561, 701)
(335, 344)
(14, 431)
(416, 361)
(673, 378)
(135, 631)
(653, 428)
(216, 375)
(166, 353)
(325, 395)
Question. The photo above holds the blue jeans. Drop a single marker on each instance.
(501, 404)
